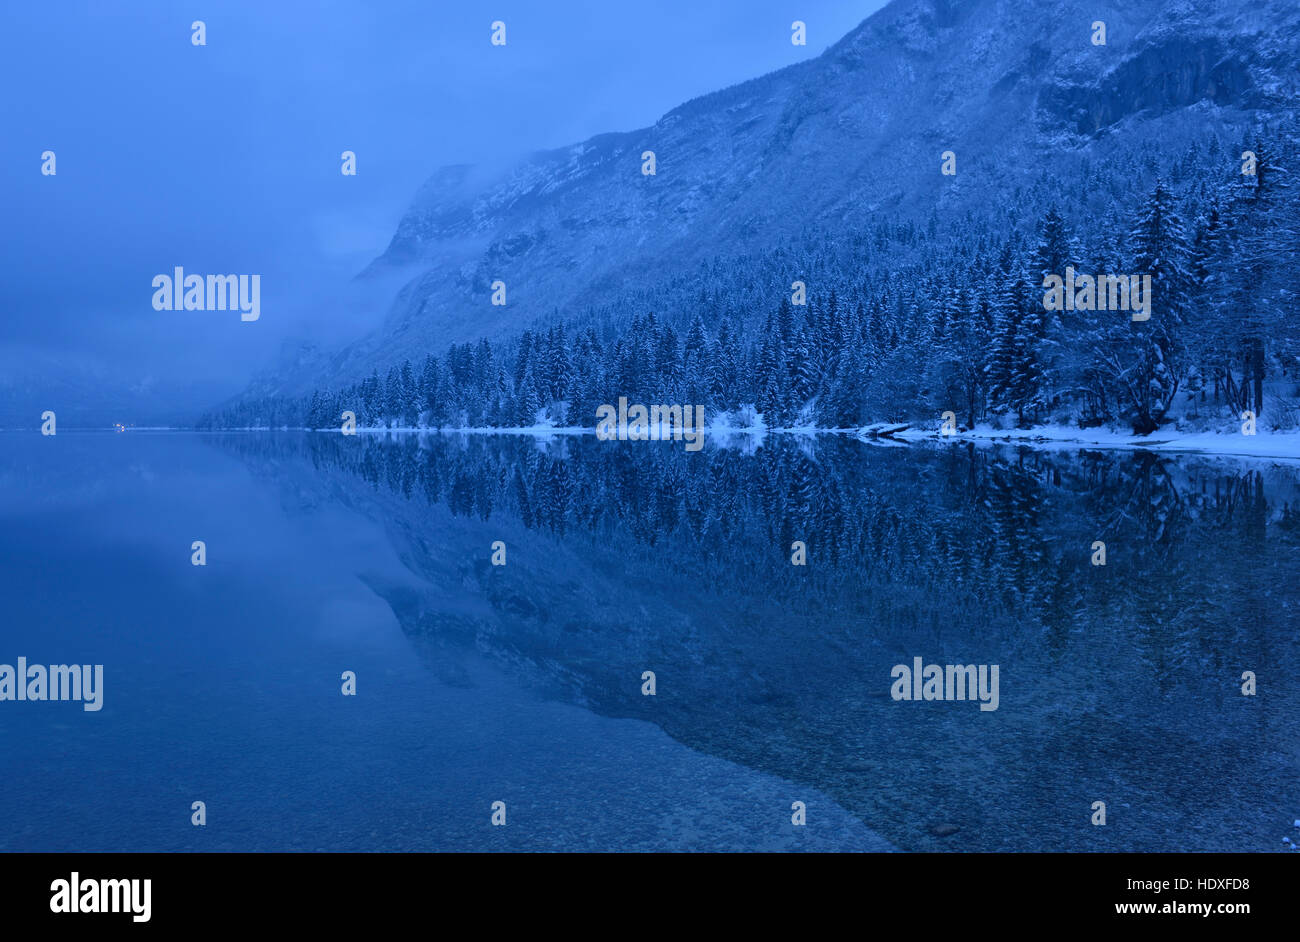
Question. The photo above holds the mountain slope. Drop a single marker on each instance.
(835, 144)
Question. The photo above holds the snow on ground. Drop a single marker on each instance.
(1263, 444)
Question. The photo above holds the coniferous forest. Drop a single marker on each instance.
(964, 328)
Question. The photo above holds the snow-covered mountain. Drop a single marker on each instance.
(1017, 89)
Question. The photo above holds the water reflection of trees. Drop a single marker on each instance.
(982, 553)
(1192, 545)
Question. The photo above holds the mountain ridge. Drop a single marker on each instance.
(835, 143)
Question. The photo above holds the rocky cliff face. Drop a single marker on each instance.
(853, 138)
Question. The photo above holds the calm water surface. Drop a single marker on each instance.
(523, 683)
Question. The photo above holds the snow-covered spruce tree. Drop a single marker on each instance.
(1048, 334)
(1012, 374)
(770, 371)
(1159, 248)
(1256, 291)
(803, 373)
(527, 401)
(408, 404)
(723, 368)
(959, 360)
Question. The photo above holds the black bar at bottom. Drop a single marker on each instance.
(341, 891)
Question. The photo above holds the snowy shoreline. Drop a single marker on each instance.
(1279, 445)
(1265, 444)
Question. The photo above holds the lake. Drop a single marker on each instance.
(525, 683)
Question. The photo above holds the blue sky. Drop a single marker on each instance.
(225, 158)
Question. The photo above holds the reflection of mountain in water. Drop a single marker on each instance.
(1118, 683)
